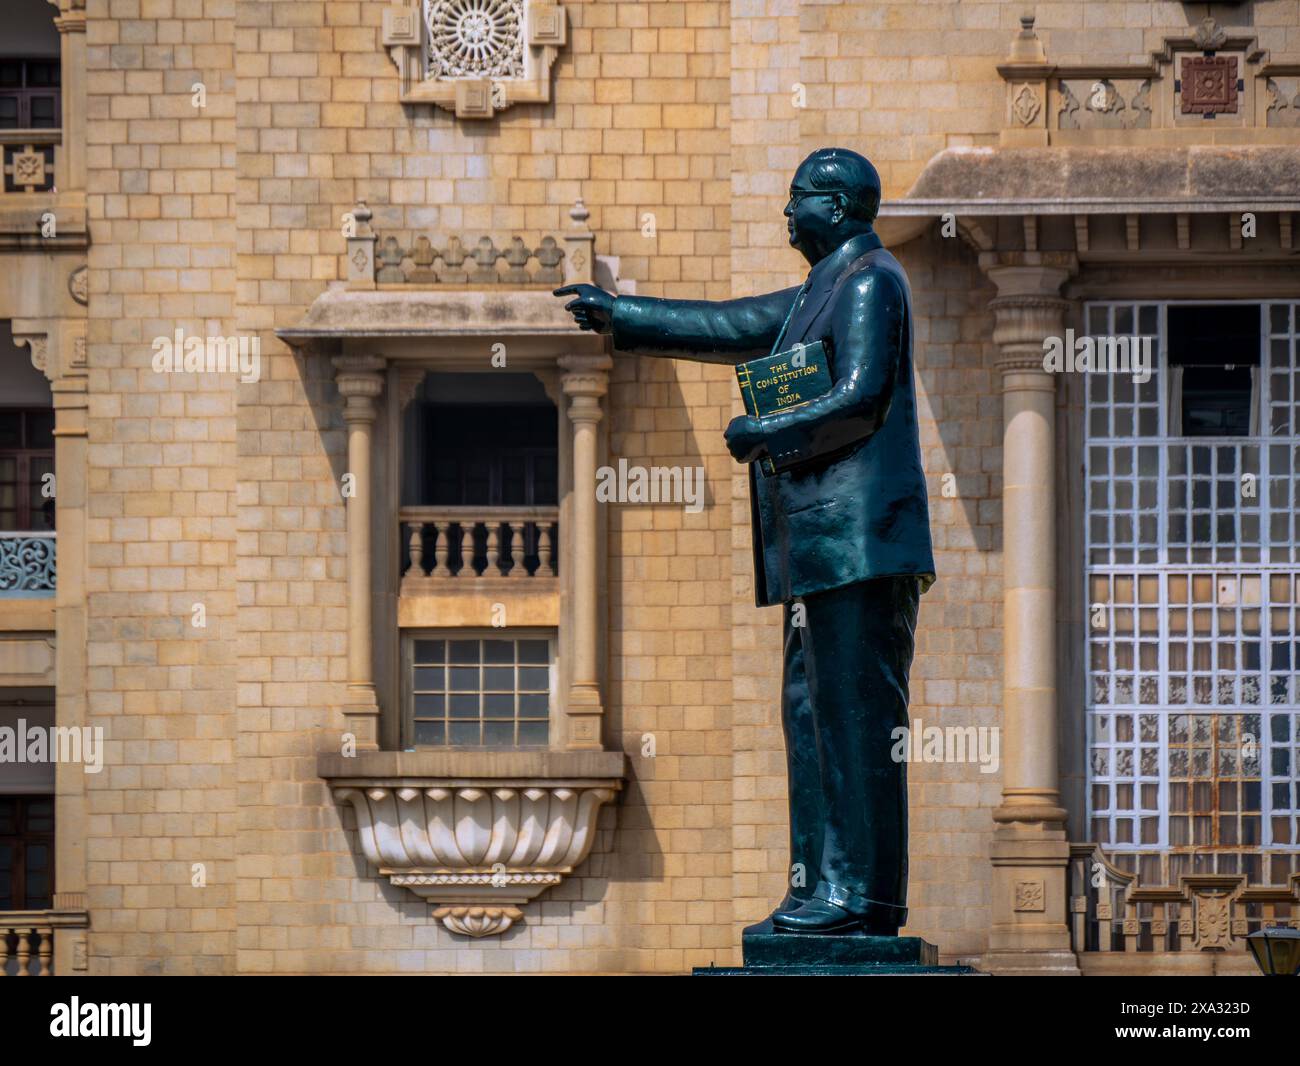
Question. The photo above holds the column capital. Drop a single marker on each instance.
(71, 17)
(1028, 309)
(585, 380)
(360, 380)
(585, 375)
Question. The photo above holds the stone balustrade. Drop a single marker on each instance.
(420, 262)
(27, 940)
(1111, 911)
(464, 543)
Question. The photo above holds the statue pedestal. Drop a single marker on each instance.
(770, 953)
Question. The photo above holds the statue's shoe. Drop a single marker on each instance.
(789, 905)
(818, 916)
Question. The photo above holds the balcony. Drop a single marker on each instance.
(466, 467)
(459, 561)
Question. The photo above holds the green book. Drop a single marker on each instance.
(782, 381)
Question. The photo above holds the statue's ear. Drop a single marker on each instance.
(841, 208)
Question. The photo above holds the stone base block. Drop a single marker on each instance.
(769, 952)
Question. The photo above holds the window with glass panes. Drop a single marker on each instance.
(29, 94)
(26, 853)
(479, 689)
(26, 461)
(1193, 581)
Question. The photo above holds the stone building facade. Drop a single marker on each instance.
(384, 685)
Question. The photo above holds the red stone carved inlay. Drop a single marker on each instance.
(1209, 85)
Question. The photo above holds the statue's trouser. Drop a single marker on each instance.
(844, 693)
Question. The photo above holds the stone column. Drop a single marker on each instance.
(585, 380)
(71, 24)
(1030, 850)
(360, 381)
(58, 350)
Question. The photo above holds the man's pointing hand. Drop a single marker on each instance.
(593, 309)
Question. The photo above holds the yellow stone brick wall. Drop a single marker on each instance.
(161, 488)
(227, 219)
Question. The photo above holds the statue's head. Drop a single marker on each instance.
(834, 195)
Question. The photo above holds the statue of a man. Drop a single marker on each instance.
(841, 531)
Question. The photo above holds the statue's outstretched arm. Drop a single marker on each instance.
(708, 331)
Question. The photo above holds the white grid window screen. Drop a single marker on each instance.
(1284, 420)
(1213, 503)
(1283, 759)
(1193, 653)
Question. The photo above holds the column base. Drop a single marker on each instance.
(1030, 862)
(361, 717)
(584, 716)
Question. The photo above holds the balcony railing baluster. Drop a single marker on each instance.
(471, 543)
(27, 940)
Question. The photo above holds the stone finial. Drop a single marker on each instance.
(360, 247)
(1025, 45)
(580, 245)
(361, 215)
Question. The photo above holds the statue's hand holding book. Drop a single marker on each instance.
(780, 382)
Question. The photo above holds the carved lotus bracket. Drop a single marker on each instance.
(479, 850)
(475, 57)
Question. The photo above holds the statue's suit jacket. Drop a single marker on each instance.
(854, 507)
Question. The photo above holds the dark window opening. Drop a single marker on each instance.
(490, 456)
(1214, 363)
(26, 853)
(30, 94)
(487, 442)
(26, 469)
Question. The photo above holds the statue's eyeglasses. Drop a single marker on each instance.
(800, 194)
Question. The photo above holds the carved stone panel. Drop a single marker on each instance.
(1029, 896)
(475, 38)
(476, 57)
(1283, 108)
(1208, 85)
(1213, 926)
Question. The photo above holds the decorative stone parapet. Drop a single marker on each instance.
(1213, 73)
(467, 262)
(413, 262)
(477, 834)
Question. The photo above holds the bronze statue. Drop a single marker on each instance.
(841, 530)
